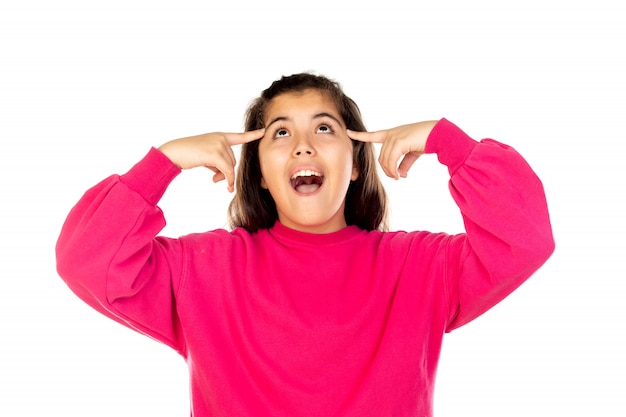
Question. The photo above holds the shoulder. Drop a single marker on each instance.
(217, 238)
(410, 241)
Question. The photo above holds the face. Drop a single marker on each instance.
(306, 161)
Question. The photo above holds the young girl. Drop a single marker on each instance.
(308, 307)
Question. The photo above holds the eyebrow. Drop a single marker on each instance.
(316, 116)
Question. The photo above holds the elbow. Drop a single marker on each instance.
(74, 264)
(544, 246)
(536, 252)
(549, 247)
(86, 284)
(523, 256)
(69, 260)
(64, 262)
(545, 253)
(68, 268)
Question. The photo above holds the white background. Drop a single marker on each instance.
(86, 87)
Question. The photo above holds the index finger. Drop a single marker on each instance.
(245, 137)
(373, 137)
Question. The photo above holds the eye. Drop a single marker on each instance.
(325, 128)
(281, 133)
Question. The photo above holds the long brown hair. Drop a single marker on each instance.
(253, 207)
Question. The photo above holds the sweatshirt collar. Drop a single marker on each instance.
(283, 233)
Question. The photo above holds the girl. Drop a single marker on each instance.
(308, 307)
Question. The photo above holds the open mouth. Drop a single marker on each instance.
(306, 181)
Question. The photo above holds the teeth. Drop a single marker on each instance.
(306, 173)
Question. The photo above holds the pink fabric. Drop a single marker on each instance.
(284, 323)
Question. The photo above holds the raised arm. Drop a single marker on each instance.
(108, 251)
(508, 232)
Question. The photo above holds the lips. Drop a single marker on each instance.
(306, 181)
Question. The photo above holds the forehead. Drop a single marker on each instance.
(293, 103)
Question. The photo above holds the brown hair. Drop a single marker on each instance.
(253, 207)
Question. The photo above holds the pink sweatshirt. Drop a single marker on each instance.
(285, 323)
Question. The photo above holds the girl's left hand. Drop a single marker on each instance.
(407, 141)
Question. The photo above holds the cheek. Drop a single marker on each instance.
(269, 165)
(262, 165)
(351, 164)
(264, 174)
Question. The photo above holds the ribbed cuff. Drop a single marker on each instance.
(450, 143)
(151, 176)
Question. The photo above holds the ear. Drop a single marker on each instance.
(263, 183)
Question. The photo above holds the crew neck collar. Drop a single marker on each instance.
(282, 232)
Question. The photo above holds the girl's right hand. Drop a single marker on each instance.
(210, 150)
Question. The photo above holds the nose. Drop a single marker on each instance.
(303, 146)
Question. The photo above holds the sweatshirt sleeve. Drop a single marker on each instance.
(109, 254)
(508, 232)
